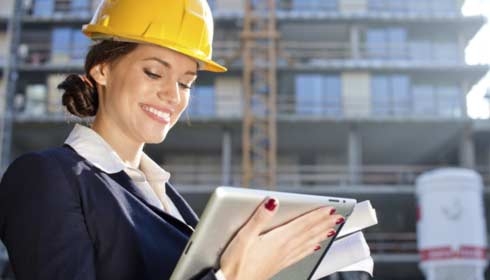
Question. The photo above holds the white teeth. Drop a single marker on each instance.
(160, 114)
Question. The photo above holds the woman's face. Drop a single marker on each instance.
(145, 92)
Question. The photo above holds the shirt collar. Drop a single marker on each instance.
(152, 170)
(91, 146)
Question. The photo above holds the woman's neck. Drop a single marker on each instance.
(126, 148)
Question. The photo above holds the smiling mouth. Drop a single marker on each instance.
(157, 114)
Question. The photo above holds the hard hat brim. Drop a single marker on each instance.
(206, 64)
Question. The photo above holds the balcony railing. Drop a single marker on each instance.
(396, 244)
(295, 53)
(392, 243)
(58, 9)
(292, 53)
(41, 54)
(332, 106)
(310, 175)
(66, 8)
(410, 7)
(331, 5)
(316, 52)
(224, 108)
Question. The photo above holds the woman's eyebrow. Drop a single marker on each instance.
(168, 65)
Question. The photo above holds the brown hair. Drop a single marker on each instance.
(80, 94)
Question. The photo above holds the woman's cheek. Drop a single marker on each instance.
(185, 103)
(176, 119)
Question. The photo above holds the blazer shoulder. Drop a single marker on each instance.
(63, 154)
(64, 151)
(49, 161)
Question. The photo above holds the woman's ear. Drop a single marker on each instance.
(100, 73)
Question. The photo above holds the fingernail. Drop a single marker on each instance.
(332, 211)
(340, 220)
(318, 247)
(271, 204)
(331, 233)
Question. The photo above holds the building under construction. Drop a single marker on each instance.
(351, 98)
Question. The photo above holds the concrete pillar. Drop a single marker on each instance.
(355, 40)
(467, 149)
(353, 6)
(228, 95)
(354, 156)
(487, 163)
(462, 42)
(356, 94)
(226, 149)
(465, 88)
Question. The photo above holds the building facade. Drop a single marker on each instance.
(371, 93)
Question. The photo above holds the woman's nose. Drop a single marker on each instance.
(170, 93)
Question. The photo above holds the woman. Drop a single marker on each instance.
(98, 207)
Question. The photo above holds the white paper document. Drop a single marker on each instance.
(363, 216)
(345, 253)
(350, 251)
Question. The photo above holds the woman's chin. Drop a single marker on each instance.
(153, 134)
(155, 138)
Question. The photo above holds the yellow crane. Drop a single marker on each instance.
(259, 37)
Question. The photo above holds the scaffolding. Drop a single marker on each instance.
(260, 38)
(11, 74)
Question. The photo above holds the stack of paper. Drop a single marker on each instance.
(349, 251)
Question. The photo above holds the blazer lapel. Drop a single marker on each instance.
(125, 181)
(185, 210)
(129, 185)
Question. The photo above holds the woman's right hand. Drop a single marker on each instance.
(253, 254)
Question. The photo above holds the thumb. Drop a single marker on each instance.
(261, 217)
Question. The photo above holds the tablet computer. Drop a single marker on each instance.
(229, 208)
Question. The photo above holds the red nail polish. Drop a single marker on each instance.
(340, 220)
(271, 204)
(317, 248)
(331, 233)
(332, 211)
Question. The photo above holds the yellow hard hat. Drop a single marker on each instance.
(185, 26)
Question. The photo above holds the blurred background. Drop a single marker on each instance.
(352, 98)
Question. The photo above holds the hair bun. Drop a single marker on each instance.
(79, 97)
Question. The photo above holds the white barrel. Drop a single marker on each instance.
(451, 230)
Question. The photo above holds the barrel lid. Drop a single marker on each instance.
(450, 178)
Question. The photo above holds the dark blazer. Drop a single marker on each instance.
(63, 218)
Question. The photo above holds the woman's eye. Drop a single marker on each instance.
(152, 75)
(185, 86)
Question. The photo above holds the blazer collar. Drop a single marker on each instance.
(91, 146)
(187, 213)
